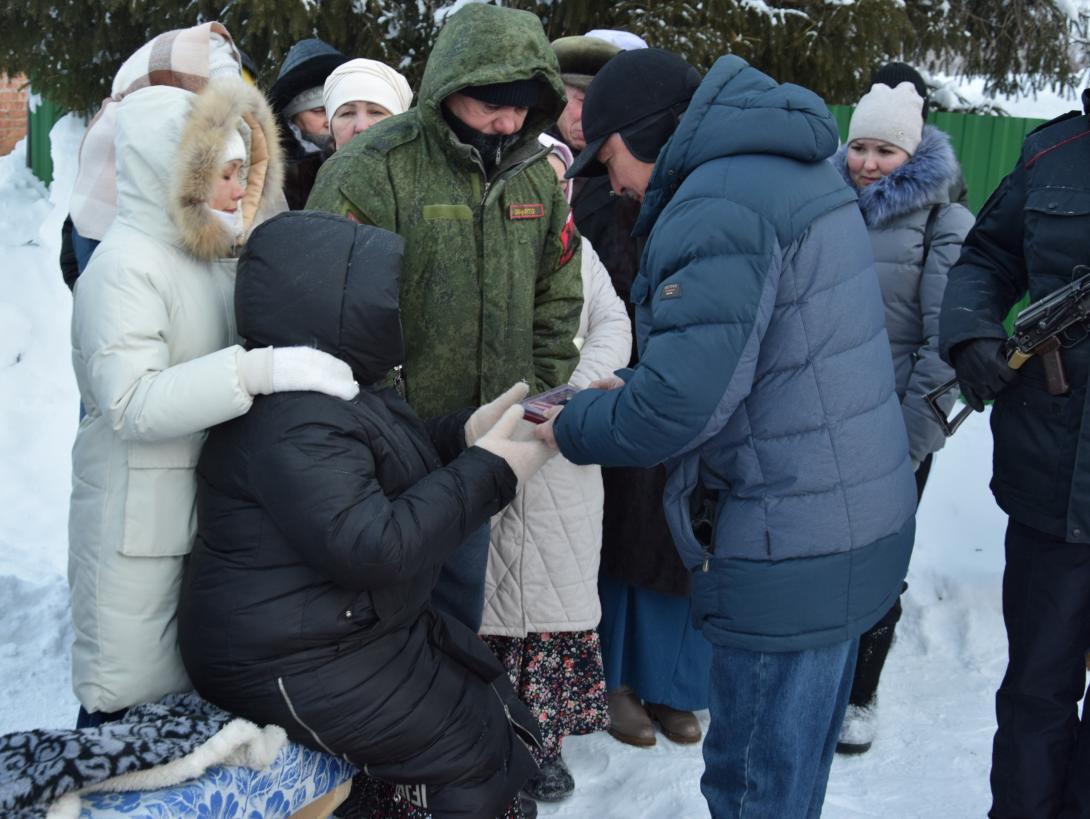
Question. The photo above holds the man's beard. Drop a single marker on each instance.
(491, 147)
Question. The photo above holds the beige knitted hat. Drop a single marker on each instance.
(893, 115)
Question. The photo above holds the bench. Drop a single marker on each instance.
(300, 784)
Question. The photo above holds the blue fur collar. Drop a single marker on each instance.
(922, 181)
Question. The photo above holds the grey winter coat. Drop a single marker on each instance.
(916, 234)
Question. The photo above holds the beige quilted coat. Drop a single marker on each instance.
(155, 355)
(543, 557)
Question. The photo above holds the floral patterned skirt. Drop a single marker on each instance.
(559, 676)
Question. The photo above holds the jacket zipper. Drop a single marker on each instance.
(295, 715)
(518, 729)
(709, 550)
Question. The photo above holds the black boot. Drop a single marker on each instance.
(552, 784)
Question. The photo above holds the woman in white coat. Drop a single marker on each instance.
(541, 589)
(155, 355)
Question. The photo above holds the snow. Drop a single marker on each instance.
(931, 757)
(39, 407)
(1042, 105)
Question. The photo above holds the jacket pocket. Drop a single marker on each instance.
(446, 213)
(160, 516)
(1053, 215)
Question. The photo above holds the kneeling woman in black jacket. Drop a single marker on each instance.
(322, 525)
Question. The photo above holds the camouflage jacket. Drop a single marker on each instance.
(490, 284)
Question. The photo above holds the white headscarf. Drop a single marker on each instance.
(366, 81)
(624, 40)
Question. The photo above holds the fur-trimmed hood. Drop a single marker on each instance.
(169, 142)
(921, 182)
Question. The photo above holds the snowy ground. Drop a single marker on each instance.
(931, 757)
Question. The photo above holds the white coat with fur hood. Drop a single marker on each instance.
(155, 355)
(545, 546)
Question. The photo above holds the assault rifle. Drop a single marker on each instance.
(1058, 321)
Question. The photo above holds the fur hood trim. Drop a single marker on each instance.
(221, 106)
(921, 182)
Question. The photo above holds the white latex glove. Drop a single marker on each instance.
(484, 418)
(292, 369)
(525, 457)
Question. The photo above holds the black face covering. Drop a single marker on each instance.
(491, 147)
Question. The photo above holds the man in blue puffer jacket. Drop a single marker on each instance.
(764, 381)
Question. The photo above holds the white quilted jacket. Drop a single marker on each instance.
(543, 558)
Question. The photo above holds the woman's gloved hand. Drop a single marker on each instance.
(486, 417)
(525, 457)
(295, 369)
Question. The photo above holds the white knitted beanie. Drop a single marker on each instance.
(893, 115)
(363, 80)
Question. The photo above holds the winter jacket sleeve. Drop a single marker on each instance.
(119, 323)
(558, 299)
(703, 339)
(448, 433)
(318, 483)
(990, 275)
(604, 326)
(929, 371)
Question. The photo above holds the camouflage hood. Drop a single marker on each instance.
(485, 44)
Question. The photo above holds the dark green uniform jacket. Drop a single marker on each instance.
(490, 287)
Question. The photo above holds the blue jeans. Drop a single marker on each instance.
(775, 718)
(460, 589)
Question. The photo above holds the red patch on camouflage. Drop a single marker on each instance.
(528, 211)
(567, 242)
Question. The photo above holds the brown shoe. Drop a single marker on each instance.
(628, 722)
(679, 726)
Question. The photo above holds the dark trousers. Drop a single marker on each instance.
(93, 719)
(1041, 753)
(874, 645)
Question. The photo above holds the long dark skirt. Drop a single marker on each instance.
(649, 643)
(559, 676)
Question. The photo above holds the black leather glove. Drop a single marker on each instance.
(982, 370)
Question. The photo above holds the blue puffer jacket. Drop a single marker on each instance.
(764, 372)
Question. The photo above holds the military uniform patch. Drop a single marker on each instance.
(529, 211)
(567, 242)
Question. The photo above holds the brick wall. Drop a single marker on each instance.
(12, 112)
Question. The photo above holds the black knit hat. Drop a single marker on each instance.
(640, 95)
(893, 74)
(519, 93)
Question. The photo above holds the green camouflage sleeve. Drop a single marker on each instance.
(352, 185)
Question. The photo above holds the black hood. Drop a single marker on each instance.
(314, 279)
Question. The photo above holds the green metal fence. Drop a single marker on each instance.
(987, 147)
(39, 123)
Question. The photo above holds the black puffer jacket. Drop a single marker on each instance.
(322, 527)
(1030, 235)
